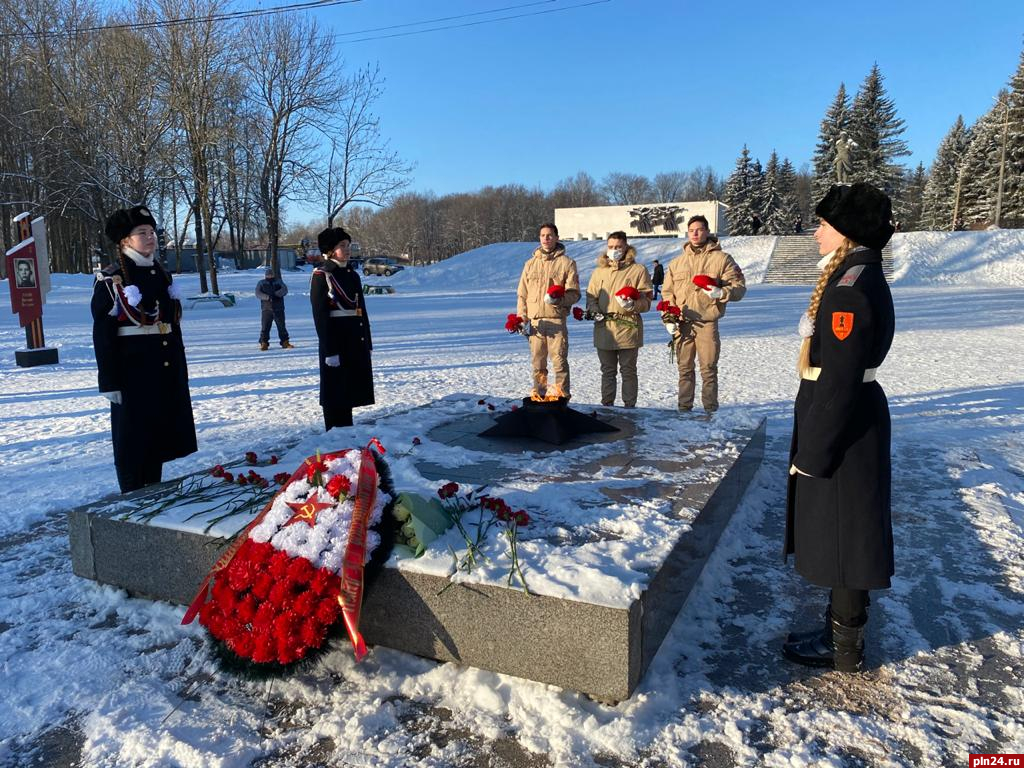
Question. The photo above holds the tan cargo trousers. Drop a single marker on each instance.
(625, 361)
(551, 337)
(704, 342)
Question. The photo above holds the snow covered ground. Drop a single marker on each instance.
(92, 678)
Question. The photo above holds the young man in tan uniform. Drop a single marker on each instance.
(548, 287)
(619, 334)
(701, 281)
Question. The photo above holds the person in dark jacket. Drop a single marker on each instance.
(343, 330)
(838, 522)
(657, 277)
(271, 292)
(136, 334)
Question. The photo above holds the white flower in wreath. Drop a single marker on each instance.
(133, 294)
(175, 292)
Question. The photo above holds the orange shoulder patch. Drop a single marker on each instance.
(842, 324)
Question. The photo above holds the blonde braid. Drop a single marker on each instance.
(124, 267)
(804, 361)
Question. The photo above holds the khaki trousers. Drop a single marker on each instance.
(625, 360)
(704, 342)
(551, 339)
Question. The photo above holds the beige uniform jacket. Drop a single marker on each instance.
(709, 260)
(541, 271)
(605, 282)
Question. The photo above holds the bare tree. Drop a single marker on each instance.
(579, 191)
(197, 60)
(294, 81)
(627, 188)
(363, 169)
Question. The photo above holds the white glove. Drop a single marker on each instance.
(794, 471)
(549, 299)
(114, 397)
(806, 326)
(133, 294)
(626, 304)
(715, 292)
(175, 292)
(672, 328)
(334, 361)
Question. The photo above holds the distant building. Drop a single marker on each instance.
(647, 220)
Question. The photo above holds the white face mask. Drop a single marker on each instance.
(616, 254)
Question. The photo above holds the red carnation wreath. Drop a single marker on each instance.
(299, 566)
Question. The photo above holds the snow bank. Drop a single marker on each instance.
(498, 266)
(959, 258)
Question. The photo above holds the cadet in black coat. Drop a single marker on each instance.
(140, 355)
(343, 330)
(838, 522)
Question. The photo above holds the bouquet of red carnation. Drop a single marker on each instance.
(705, 282)
(577, 313)
(514, 323)
(628, 292)
(299, 566)
(556, 292)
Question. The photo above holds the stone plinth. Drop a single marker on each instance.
(592, 642)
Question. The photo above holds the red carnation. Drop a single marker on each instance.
(323, 581)
(217, 471)
(448, 490)
(251, 457)
(305, 603)
(513, 323)
(246, 610)
(705, 282)
(280, 594)
(628, 292)
(241, 574)
(264, 617)
(339, 486)
(300, 571)
(577, 312)
(556, 291)
(228, 477)
(274, 459)
(521, 518)
(278, 565)
(243, 480)
(327, 612)
(662, 306)
(281, 478)
(312, 633)
(313, 468)
(261, 586)
(263, 649)
(242, 644)
(259, 552)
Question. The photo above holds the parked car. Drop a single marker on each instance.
(380, 265)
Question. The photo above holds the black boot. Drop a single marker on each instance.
(849, 647)
(824, 632)
(812, 649)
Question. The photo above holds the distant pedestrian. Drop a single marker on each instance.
(136, 336)
(755, 224)
(343, 330)
(657, 278)
(838, 521)
(271, 291)
(798, 225)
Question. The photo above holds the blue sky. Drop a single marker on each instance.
(646, 86)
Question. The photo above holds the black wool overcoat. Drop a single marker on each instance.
(338, 290)
(839, 524)
(154, 421)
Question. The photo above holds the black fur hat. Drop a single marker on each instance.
(859, 211)
(121, 223)
(328, 239)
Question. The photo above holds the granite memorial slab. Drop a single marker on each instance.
(621, 526)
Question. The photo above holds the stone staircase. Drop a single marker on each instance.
(795, 257)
